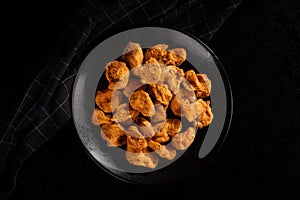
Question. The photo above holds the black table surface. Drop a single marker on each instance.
(259, 46)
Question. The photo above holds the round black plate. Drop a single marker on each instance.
(207, 141)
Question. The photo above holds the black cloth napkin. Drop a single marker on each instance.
(46, 106)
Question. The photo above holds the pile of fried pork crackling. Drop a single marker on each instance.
(151, 107)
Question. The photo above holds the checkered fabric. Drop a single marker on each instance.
(46, 106)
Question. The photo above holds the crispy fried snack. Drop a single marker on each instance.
(99, 117)
(191, 111)
(145, 127)
(162, 150)
(133, 55)
(149, 72)
(149, 160)
(175, 56)
(108, 100)
(202, 78)
(130, 119)
(152, 60)
(157, 91)
(157, 127)
(161, 93)
(141, 101)
(180, 103)
(175, 106)
(160, 133)
(206, 115)
(159, 52)
(135, 140)
(182, 141)
(178, 70)
(117, 74)
(134, 132)
(173, 77)
(133, 113)
(160, 114)
(136, 150)
(200, 83)
(166, 57)
(121, 114)
(170, 127)
(114, 134)
(186, 92)
(161, 137)
(164, 75)
(173, 126)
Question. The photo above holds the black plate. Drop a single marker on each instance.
(207, 141)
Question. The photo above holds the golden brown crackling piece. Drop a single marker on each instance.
(118, 85)
(149, 160)
(133, 113)
(162, 150)
(206, 115)
(206, 83)
(182, 141)
(152, 61)
(200, 83)
(99, 117)
(173, 126)
(159, 52)
(148, 73)
(135, 140)
(167, 152)
(141, 101)
(144, 126)
(115, 70)
(185, 96)
(169, 72)
(175, 106)
(134, 132)
(108, 100)
(157, 127)
(178, 70)
(170, 128)
(176, 56)
(186, 92)
(173, 77)
(160, 114)
(160, 46)
(117, 74)
(133, 55)
(116, 99)
(114, 134)
(161, 137)
(126, 118)
(164, 73)
(160, 133)
(161, 93)
(121, 113)
(191, 111)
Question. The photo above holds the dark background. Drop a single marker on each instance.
(259, 46)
